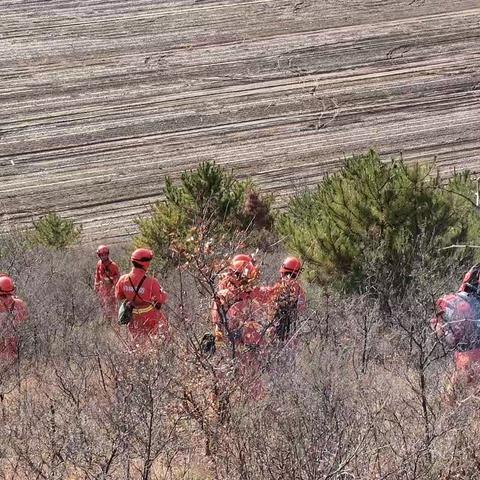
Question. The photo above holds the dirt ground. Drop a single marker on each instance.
(100, 99)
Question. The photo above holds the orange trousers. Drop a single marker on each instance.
(148, 324)
(108, 302)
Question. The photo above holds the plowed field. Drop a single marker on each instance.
(100, 99)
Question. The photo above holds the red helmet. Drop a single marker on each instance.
(7, 287)
(291, 265)
(244, 257)
(103, 250)
(142, 256)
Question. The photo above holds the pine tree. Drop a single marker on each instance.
(208, 203)
(366, 227)
(53, 231)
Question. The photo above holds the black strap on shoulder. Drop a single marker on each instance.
(136, 289)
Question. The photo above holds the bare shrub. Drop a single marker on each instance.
(357, 394)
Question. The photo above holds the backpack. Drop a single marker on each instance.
(207, 344)
(125, 311)
(286, 312)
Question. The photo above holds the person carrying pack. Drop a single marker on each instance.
(106, 277)
(287, 300)
(141, 298)
(457, 324)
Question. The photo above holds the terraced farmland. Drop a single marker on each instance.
(101, 98)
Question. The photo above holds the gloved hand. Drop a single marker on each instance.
(158, 305)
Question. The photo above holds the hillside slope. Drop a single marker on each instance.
(99, 100)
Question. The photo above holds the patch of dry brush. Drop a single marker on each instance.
(363, 397)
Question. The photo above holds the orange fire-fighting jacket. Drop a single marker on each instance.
(245, 314)
(13, 312)
(147, 316)
(106, 276)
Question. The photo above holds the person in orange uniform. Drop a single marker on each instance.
(238, 309)
(147, 297)
(106, 277)
(456, 323)
(239, 314)
(13, 312)
(287, 300)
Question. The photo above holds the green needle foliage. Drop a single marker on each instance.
(53, 231)
(209, 203)
(368, 226)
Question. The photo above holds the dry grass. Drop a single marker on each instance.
(349, 403)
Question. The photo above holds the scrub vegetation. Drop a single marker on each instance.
(53, 231)
(361, 393)
(372, 219)
(209, 203)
